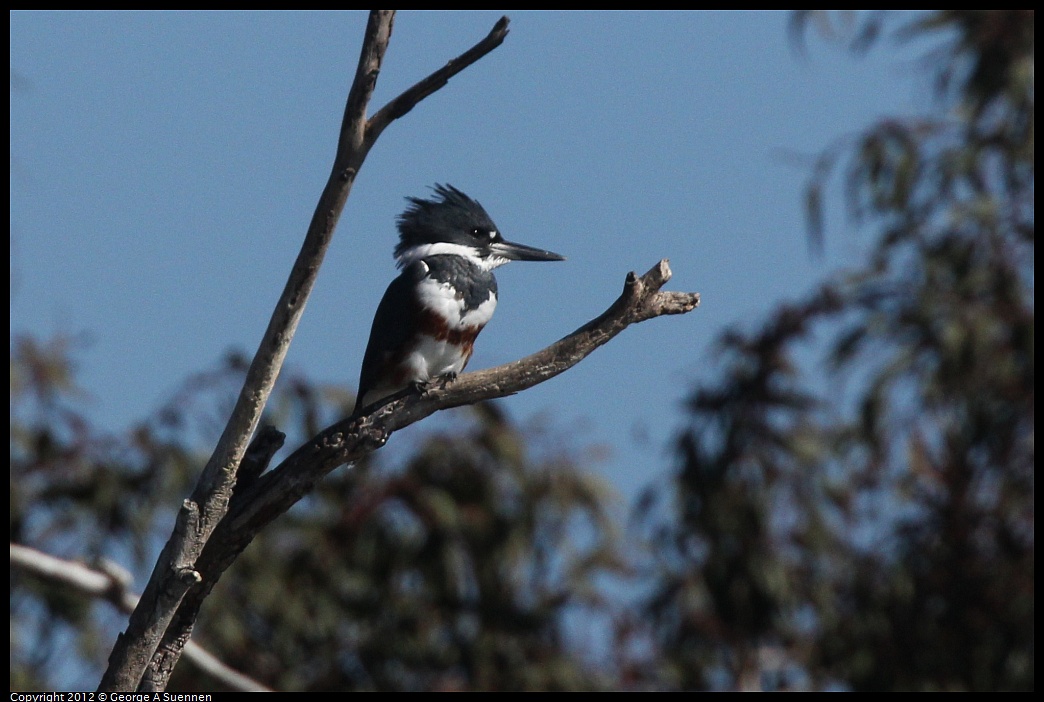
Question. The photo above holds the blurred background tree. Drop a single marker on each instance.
(862, 517)
(852, 506)
(454, 571)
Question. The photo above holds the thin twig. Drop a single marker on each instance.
(405, 102)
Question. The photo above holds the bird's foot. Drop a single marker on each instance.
(426, 386)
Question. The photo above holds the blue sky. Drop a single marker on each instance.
(164, 168)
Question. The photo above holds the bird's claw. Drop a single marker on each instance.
(425, 387)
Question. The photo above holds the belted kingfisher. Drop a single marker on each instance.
(427, 322)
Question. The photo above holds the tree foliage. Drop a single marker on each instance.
(865, 519)
(453, 571)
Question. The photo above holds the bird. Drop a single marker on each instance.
(426, 324)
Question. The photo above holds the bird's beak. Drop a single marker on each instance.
(521, 252)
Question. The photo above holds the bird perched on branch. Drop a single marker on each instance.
(427, 322)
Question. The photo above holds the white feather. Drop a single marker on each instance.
(415, 253)
(432, 359)
(442, 299)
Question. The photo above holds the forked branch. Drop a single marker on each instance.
(149, 643)
(273, 493)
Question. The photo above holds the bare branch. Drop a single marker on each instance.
(109, 585)
(112, 583)
(136, 647)
(351, 439)
(409, 98)
(353, 141)
(138, 660)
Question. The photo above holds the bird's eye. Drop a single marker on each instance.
(480, 233)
